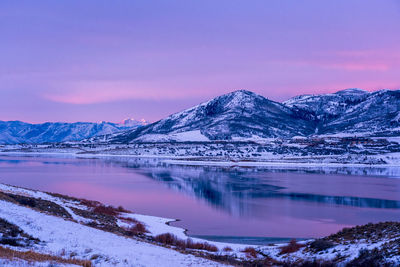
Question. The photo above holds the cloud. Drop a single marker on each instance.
(352, 60)
(91, 92)
(355, 66)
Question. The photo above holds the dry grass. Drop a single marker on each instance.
(90, 203)
(103, 209)
(128, 219)
(106, 210)
(170, 239)
(30, 256)
(372, 232)
(293, 246)
(250, 252)
(227, 249)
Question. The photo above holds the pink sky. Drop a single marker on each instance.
(92, 60)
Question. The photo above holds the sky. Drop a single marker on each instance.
(95, 60)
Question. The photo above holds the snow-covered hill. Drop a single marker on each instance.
(13, 132)
(45, 229)
(237, 115)
(352, 111)
(243, 115)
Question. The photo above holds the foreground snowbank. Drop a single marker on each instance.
(87, 231)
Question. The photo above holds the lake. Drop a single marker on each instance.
(221, 203)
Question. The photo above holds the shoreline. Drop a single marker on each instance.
(62, 225)
(177, 160)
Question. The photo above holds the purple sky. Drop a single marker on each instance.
(108, 60)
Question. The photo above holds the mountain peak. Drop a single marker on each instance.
(242, 93)
(352, 91)
(134, 122)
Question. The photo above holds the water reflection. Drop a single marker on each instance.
(230, 201)
(224, 188)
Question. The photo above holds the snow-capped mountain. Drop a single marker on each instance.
(352, 111)
(14, 132)
(130, 122)
(240, 115)
(243, 115)
(237, 115)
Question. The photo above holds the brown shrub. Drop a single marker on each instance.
(181, 244)
(210, 247)
(122, 209)
(31, 256)
(90, 203)
(167, 239)
(227, 249)
(201, 246)
(170, 239)
(250, 252)
(128, 219)
(139, 228)
(106, 210)
(293, 246)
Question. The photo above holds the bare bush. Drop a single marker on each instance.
(292, 247)
(170, 239)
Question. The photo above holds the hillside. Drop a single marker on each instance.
(244, 115)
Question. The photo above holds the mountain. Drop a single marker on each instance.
(14, 132)
(241, 115)
(133, 123)
(237, 115)
(352, 111)
(244, 115)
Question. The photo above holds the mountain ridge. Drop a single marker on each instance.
(15, 132)
(243, 114)
(237, 114)
(240, 115)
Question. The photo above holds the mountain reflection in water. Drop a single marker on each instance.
(223, 188)
(224, 201)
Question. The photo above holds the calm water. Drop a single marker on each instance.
(247, 202)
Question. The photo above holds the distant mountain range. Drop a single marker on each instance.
(240, 115)
(244, 115)
(14, 132)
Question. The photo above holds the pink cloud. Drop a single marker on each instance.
(90, 92)
(354, 66)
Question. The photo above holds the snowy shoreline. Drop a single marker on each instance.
(195, 161)
(81, 230)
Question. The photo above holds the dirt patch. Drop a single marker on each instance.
(6, 198)
(40, 204)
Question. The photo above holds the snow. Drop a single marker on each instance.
(157, 225)
(195, 135)
(13, 132)
(63, 235)
(22, 263)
